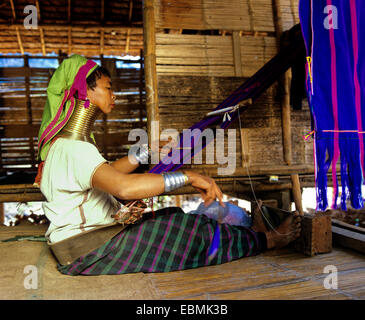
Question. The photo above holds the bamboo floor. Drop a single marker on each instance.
(276, 274)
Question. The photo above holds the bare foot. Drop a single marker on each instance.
(287, 232)
(258, 224)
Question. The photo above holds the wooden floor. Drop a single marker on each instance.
(277, 274)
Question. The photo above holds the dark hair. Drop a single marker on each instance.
(95, 75)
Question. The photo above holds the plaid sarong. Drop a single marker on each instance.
(171, 241)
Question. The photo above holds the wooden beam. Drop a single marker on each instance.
(251, 15)
(236, 45)
(348, 238)
(69, 38)
(29, 107)
(102, 11)
(245, 150)
(17, 28)
(127, 40)
(2, 216)
(43, 44)
(41, 33)
(81, 26)
(69, 11)
(102, 41)
(149, 44)
(20, 43)
(261, 170)
(286, 118)
(141, 88)
(38, 10)
(13, 9)
(129, 23)
(130, 11)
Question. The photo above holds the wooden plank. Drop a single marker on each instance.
(344, 225)
(349, 239)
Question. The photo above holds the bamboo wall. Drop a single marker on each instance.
(22, 99)
(229, 42)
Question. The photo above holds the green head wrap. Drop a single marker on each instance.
(69, 78)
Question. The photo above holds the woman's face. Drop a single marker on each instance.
(102, 95)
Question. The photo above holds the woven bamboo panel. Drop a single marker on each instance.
(191, 97)
(247, 15)
(210, 55)
(212, 14)
(290, 13)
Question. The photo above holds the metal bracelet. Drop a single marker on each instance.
(174, 180)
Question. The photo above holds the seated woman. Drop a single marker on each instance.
(81, 188)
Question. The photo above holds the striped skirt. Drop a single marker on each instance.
(170, 241)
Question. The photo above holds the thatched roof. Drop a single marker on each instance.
(91, 27)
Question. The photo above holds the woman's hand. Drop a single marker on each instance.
(206, 187)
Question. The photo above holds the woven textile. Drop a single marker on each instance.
(336, 91)
(172, 241)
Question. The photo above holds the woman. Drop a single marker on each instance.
(81, 188)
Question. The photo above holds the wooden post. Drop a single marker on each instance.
(2, 215)
(105, 120)
(141, 70)
(69, 39)
(102, 41)
(245, 150)
(29, 107)
(285, 104)
(149, 43)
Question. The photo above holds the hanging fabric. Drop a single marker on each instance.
(336, 94)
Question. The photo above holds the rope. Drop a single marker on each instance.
(252, 188)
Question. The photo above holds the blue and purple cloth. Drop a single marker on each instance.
(230, 214)
(336, 92)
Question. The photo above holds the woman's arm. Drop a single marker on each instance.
(123, 165)
(139, 186)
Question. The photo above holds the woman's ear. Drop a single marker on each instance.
(90, 95)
